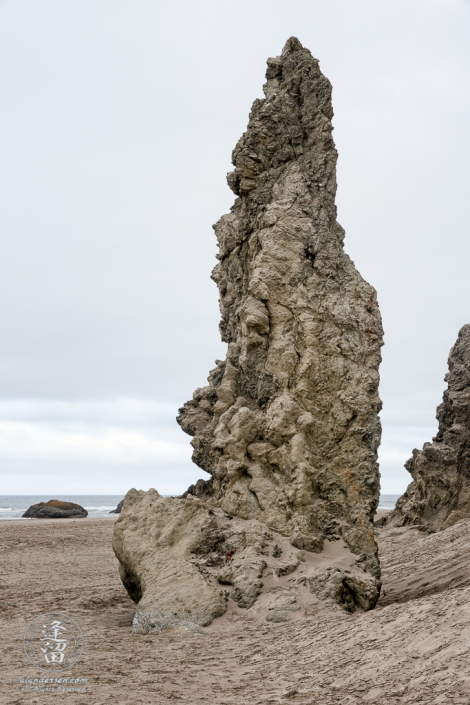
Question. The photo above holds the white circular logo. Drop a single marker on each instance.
(53, 642)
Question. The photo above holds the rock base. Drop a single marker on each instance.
(186, 562)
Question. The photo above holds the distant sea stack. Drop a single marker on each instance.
(440, 492)
(55, 509)
(288, 426)
(118, 508)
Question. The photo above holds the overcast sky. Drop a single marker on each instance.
(117, 122)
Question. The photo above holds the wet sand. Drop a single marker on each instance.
(413, 648)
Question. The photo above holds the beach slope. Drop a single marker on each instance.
(414, 647)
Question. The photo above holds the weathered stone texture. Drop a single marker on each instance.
(154, 538)
(440, 492)
(288, 425)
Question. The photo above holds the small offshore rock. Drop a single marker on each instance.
(56, 509)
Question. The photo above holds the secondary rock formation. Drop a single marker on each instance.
(55, 509)
(440, 492)
(288, 426)
(118, 508)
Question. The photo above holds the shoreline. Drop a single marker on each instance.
(379, 513)
(55, 521)
(408, 644)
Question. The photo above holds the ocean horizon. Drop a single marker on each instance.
(99, 506)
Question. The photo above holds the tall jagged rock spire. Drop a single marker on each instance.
(288, 426)
(440, 492)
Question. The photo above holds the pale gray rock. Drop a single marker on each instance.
(439, 495)
(345, 588)
(153, 539)
(244, 573)
(280, 608)
(288, 425)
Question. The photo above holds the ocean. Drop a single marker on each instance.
(14, 506)
(388, 501)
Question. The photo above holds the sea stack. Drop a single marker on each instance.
(55, 509)
(439, 495)
(288, 426)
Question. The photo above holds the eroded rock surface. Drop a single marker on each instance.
(288, 425)
(153, 539)
(185, 561)
(439, 495)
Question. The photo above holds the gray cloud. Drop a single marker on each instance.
(118, 120)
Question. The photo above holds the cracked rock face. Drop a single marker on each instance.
(439, 495)
(288, 425)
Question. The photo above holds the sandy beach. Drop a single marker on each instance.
(414, 647)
